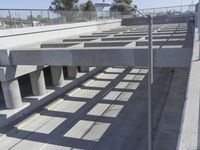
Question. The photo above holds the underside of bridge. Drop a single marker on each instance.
(104, 105)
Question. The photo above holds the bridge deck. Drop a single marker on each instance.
(118, 47)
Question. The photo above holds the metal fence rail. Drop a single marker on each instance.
(172, 10)
(18, 18)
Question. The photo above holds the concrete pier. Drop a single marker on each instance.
(38, 83)
(70, 72)
(12, 94)
(83, 69)
(57, 75)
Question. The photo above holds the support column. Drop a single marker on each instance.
(12, 94)
(70, 72)
(57, 75)
(83, 69)
(38, 83)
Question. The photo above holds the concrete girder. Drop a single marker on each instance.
(163, 57)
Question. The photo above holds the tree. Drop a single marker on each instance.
(82, 6)
(69, 5)
(89, 10)
(124, 6)
(89, 6)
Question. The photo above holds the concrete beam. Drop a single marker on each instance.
(167, 37)
(163, 57)
(94, 36)
(11, 72)
(120, 38)
(54, 45)
(106, 44)
(145, 43)
(79, 40)
(80, 57)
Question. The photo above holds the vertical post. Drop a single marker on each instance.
(198, 24)
(31, 15)
(57, 75)
(48, 17)
(38, 83)
(10, 19)
(150, 82)
(181, 5)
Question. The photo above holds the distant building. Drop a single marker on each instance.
(103, 5)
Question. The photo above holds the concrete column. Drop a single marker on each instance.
(12, 94)
(38, 83)
(70, 72)
(57, 75)
(83, 69)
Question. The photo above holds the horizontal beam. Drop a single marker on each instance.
(164, 57)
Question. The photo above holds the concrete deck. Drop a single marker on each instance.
(114, 48)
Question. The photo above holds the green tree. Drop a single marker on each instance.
(89, 6)
(69, 5)
(89, 10)
(124, 6)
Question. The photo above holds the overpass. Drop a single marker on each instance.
(101, 101)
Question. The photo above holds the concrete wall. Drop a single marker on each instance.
(13, 38)
(158, 20)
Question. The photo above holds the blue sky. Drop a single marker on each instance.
(45, 3)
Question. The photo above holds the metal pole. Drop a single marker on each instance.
(181, 5)
(32, 24)
(150, 82)
(48, 17)
(10, 19)
(198, 24)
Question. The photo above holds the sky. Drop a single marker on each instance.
(44, 4)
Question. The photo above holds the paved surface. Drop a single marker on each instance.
(106, 112)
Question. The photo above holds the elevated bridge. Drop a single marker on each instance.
(89, 90)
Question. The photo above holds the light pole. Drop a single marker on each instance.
(181, 5)
(150, 78)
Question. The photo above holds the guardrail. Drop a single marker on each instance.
(18, 18)
(172, 10)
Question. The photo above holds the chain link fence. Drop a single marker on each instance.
(19, 18)
(173, 10)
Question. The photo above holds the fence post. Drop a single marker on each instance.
(48, 17)
(10, 19)
(31, 15)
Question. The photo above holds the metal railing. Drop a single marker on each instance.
(19, 18)
(172, 10)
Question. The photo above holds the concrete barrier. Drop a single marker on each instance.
(159, 20)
